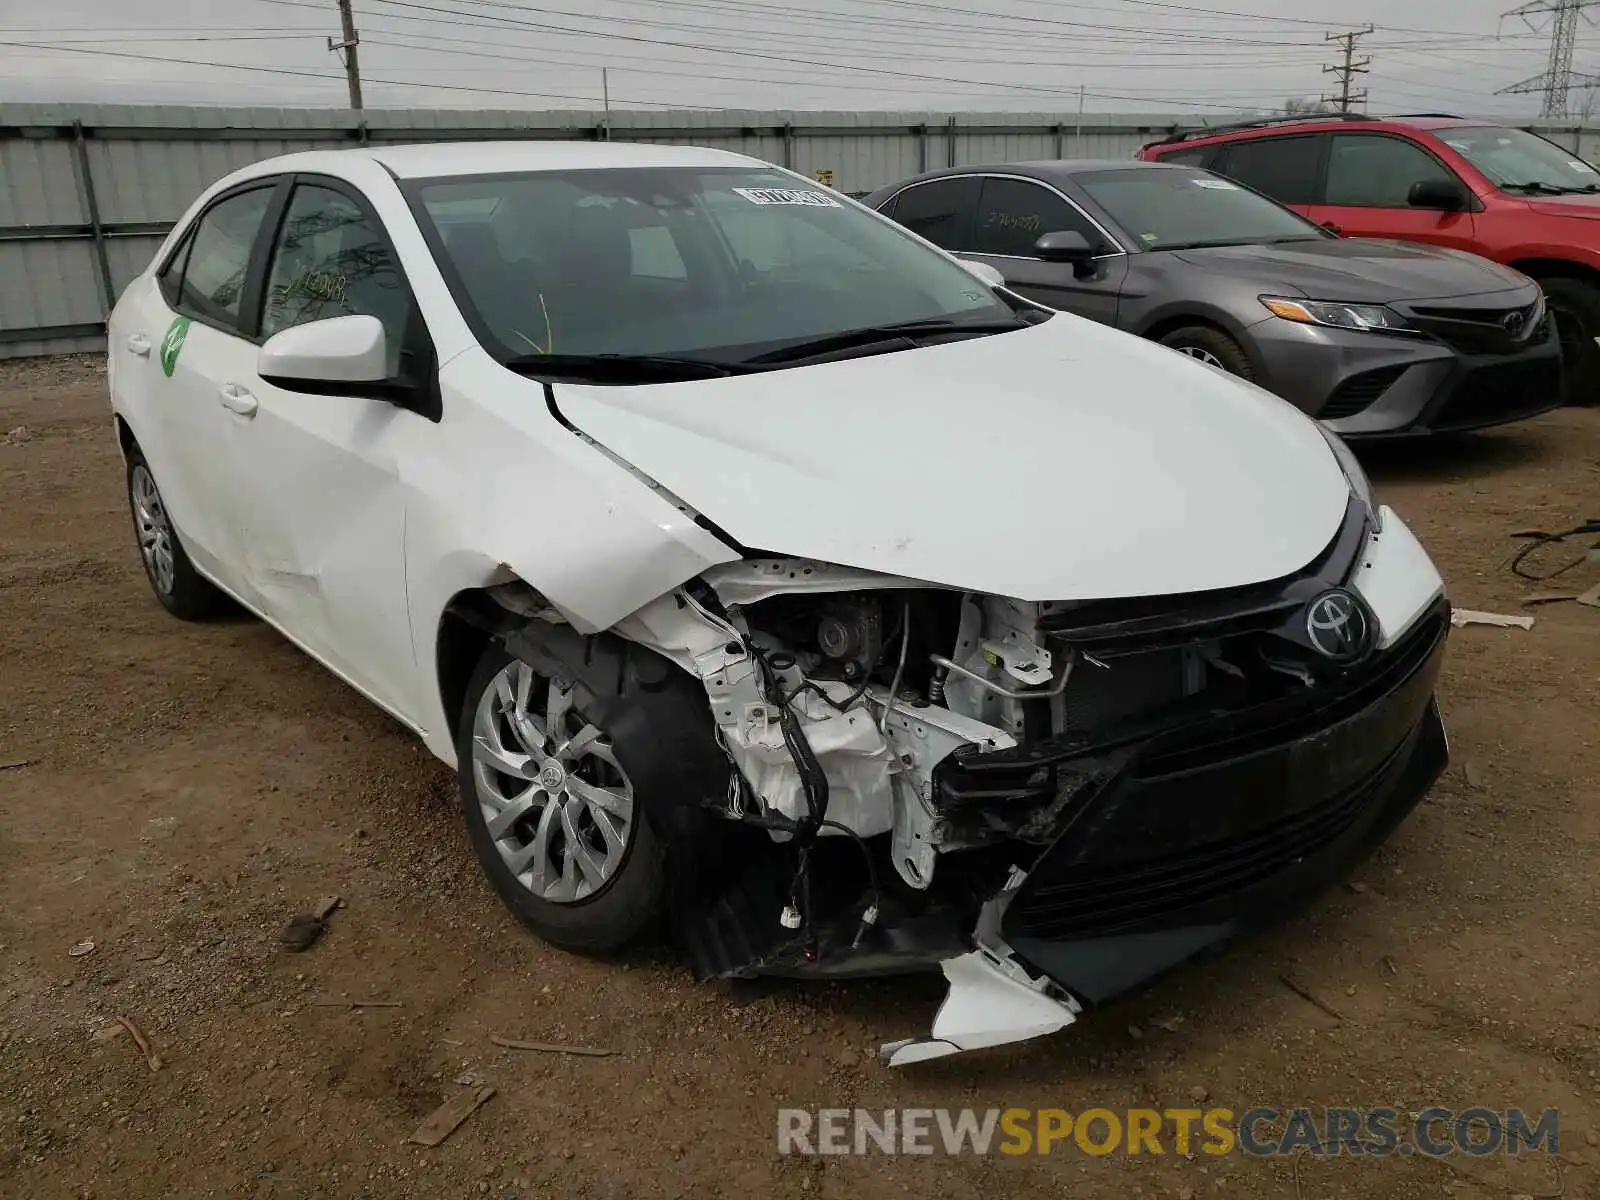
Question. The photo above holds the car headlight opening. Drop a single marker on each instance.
(1360, 485)
(1365, 318)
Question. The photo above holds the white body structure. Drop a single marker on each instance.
(1058, 464)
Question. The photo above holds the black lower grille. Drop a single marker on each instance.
(1360, 392)
(1502, 392)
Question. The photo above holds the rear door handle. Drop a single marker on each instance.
(237, 399)
(139, 344)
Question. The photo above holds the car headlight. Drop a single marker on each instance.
(1360, 485)
(1369, 318)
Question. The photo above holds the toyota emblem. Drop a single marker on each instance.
(1512, 323)
(1338, 627)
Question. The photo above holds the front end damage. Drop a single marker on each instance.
(1051, 803)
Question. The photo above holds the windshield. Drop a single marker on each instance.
(1171, 209)
(1519, 161)
(716, 264)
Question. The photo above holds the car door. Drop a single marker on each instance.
(1011, 215)
(182, 337)
(322, 476)
(1286, 168)
(1369, 180)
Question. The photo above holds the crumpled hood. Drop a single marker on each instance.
(1062, 461)
(1358, 270)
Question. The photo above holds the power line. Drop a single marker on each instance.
(1557, 79)
(1347, 70)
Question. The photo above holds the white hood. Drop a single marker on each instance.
(1064, 461)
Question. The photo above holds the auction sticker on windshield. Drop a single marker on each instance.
(788, 196)
(1216, 185)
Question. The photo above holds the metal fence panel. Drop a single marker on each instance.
(87, 190)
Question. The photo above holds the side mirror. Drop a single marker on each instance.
(1447, 195)
(1066, 246)
(988, 274)
(338, 354)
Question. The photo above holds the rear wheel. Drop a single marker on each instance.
(1575, 305)
(1212, 347)
(182, 590)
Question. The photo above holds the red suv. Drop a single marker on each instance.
(1495, 190)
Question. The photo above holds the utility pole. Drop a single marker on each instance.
(1350, 68)
(1557, 80)
(347, 49)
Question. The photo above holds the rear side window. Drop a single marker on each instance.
(1371, 170)
(1284, 168)
(941, 211)
(1012, 213)
(219, 257)
(1188, 158)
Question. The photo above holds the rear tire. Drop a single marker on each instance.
(182, 590)
(1575, 304)
(1210, 345)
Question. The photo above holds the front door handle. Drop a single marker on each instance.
(139, 344)
(1332, 227)
(238, 400)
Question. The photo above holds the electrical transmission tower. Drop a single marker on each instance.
(1558, 78)
(1351, 67)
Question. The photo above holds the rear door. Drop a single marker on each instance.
(1287, 168)
(1011, 215)
(182, 337)
(1369, 180)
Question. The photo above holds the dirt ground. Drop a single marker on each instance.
(185, 790)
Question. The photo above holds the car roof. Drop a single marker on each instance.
(1049, 170)
(1355, 122)
(448, 159)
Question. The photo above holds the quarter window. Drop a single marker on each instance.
(330, 260)
(940, 211)
(219, 257)
(1284, 168)
(1013, 213)
(1370, 170)
(1187, 158)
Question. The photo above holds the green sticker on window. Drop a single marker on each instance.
(172, 344)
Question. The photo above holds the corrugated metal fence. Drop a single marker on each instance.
(87, 192)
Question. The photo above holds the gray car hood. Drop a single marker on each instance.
(1364, 270)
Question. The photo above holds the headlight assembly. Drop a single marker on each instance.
(1367, 318)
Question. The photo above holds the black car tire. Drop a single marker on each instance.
(1575, 304)
(629, 903)
(185, 593)
(1206, 341)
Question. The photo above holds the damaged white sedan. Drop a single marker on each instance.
(774, 580)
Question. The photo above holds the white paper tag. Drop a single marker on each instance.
(1217, 185)
(788, 196)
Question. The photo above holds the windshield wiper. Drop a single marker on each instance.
(905, 333)
(1537, 187)
(1215, 244)
(619, 368)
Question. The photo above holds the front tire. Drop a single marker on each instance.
(182, 590)
(1210, 346)
(548, 797)
(1575, 305)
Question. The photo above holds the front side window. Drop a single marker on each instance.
(712, 263)
(1012, 213)
(330, 260)
(1374, 171)
(1284, 168)
(219, 257)
(1175, 209)
(1521, 162)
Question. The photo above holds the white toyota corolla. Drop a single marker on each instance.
(772, 579)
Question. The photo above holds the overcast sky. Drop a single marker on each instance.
(1178, 56)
